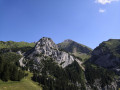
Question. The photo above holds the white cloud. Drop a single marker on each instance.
(102, 10)
(105, 1)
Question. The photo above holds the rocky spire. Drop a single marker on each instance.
(67, 40)
(46, 47)
(46, 42)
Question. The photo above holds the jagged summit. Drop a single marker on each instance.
(46, 42)
(68, 40)
(45, 39)
(46, 47)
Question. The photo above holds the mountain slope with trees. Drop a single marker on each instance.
(9, 67)
(25, 84)
(48, 72)
(55, 69)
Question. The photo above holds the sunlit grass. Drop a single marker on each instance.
(24, 84)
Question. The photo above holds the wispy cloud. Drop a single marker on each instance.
(105, 1)
(102, 10)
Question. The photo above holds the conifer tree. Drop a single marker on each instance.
(5, 74)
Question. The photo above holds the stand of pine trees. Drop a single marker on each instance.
(93, 72)
(54, 77)
(8, 67)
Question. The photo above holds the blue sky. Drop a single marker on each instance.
(85, 21)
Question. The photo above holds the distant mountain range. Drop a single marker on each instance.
(67, 65)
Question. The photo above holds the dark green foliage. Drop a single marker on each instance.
(5, 75)
(21, 74)
(9, 67)
(14, 73)
(11, 57)
(75, 72)
(93, 72)
(53, 77)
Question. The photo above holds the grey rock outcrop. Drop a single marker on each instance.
(19, 52)
(46, 47)
(21, 62)
(112, 86)
(98, 85)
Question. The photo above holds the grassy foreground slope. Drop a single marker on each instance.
(24, 84)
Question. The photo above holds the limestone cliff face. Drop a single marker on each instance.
(46, 47)
(112, 86)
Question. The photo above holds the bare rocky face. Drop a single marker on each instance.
(46, 47)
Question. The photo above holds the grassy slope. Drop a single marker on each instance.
(15, 46)
(83, 56)
(12, 44)
(76, 49)
(24, 84)
(72, 44)
(113, 45)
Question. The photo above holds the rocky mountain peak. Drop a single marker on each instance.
(46, 43)
(67, 41)
(46, 47)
